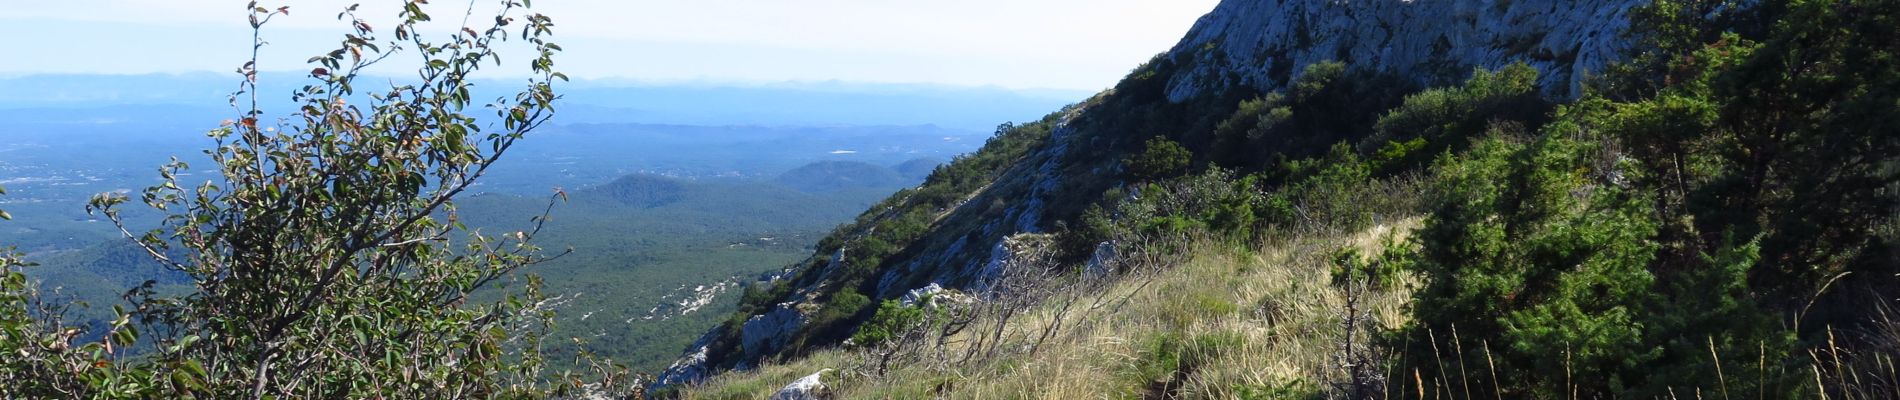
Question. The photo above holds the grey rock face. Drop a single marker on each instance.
(690, 368)
(1102, 261)
(1263, 43)
(767, 332)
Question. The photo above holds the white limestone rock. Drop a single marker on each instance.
(811, 387)
(916, 295)
(1000, 256)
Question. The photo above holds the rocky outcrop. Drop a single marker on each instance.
(1264, 43)
(691, 368)
(765, 333)
(917, 295)
(1102, 262)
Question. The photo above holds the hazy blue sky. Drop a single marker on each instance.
(1066, 44)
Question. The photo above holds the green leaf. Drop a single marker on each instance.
(193, 367)
(186, 342)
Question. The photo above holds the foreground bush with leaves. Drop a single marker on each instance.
(326, 259)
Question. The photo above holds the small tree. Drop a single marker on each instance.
(326, 261)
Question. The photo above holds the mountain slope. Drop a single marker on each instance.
(1038, 176)
(1722, 200)
(918, 168)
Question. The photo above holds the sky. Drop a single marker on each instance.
(1019, 44)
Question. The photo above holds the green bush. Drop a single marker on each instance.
(1160, 158)
(1328, 103)
(323, 258)
(1333, 191)
(1520, 252)
(1250, 123)
(842, 307)
(891, 322)
(1437, 120)
(1383, 271)
(1216, 201)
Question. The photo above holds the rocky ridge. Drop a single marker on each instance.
(1263, 43)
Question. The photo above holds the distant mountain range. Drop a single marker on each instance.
(199, 96)
(831, 176)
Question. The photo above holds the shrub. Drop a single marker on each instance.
(1445, 119)
(1160, 158)
(324, 257)
(1382, 271)
(1249, 123)
(892, 321)
(1521, 253)
(1335, 191)
(1215, 201)
(843, 306)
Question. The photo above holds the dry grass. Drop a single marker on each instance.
(1226, 323)
(761, 382)
(1868, 368)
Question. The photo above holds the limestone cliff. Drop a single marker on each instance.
(1261, 43)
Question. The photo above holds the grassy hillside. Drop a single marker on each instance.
(1223, 321)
